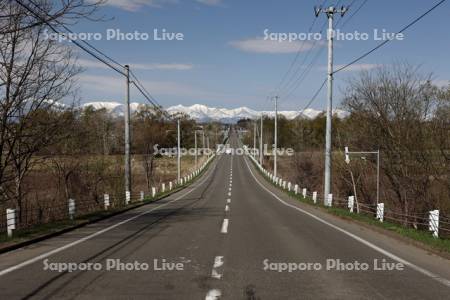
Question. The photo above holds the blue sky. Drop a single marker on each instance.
(222, 61)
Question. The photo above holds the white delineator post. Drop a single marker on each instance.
(127, 197)
(106, 201)
(163, 187)
(315, 197)
(304, 193)
(351, 203)
(330, 200)
(289, 186)
(153, 192)
(71, 208)
(10, 221)
(142, 196)
(296, 189)
(170, 185)
(380, 211)
(434, 222)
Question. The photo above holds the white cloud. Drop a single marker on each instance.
(117, 85)
(260, 45)
(86, 63)
(210, 2)
(134, 5)
(168, 67)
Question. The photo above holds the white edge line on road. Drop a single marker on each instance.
(359, 239)
(224, 226)
(86, 238)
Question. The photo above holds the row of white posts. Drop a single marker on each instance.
(328, 201)
(11, 213)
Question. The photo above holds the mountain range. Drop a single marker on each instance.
(203, 113)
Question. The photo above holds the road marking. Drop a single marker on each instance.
(229, 189)
(213, 295)
(218, 262)
(227, 208)
(86, 238)
(228, 200)
(354, 236)
(224, 226)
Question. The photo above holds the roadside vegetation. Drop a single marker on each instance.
(395, 109)
(50, 149)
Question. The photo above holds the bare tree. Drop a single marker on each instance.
(37, 75)
(391, 110)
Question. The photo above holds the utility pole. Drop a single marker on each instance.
(195, 142)
(178, 151)
(203, 141)
(254, 139)
(330, 11)
(127, 132)
(276, 137)
(261, 143)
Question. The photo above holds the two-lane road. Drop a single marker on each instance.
(225, 236)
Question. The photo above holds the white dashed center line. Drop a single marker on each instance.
(218, 262)
(224, 226)
(213, 295)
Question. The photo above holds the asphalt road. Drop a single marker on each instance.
(228, 236)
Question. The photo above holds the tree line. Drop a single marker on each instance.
(395, 109)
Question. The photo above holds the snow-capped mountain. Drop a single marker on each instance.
(204, 113)
(115, 108)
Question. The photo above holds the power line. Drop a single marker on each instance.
(73, 41)
(315, 96)
(295, 78)
(136, 81)
(294, 61)
(354, 12)
(304, 74)
(83, 41)
(389, 40)
(141, 88)
(292, 88)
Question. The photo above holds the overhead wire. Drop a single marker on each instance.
(299, 51)
(107, 60)
(389, 40)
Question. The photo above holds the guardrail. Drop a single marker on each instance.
(74, 209)
(431, 221)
